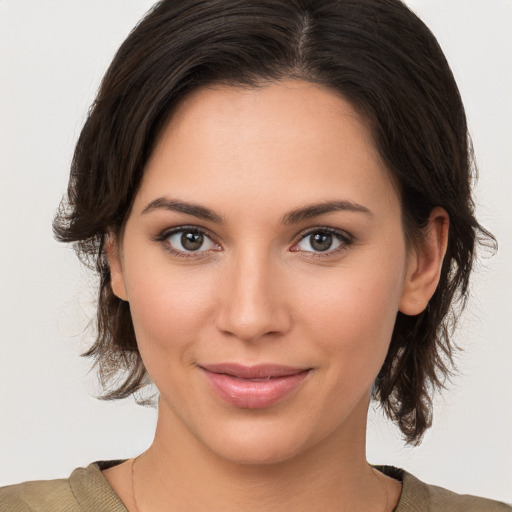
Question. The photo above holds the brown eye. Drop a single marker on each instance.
(192, 241)
(323, 241)
(188, 240)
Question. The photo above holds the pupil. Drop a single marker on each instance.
(192, 241)
(321, 241)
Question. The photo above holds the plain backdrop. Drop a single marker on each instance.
(52, 57)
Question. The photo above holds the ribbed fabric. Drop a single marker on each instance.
(420, 497)
(87, 490)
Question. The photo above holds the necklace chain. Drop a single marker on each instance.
(136, 507)
(133, 485)
(375, 472)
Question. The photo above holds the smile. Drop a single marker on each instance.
(253, 387)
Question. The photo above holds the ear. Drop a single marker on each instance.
(424, 264)
(113, 252)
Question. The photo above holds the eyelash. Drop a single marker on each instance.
(164, 240)
(345, 239)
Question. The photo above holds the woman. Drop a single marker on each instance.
(276, 196)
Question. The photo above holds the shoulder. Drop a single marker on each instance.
(38, 496)
(418, 496)
(442, 499)
(85, 489)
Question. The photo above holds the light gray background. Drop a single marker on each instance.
(52, 56)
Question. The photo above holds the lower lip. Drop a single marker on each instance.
(254, 394)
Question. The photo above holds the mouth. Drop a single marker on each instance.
(253, 387)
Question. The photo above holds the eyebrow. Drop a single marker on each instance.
(314, 210)
(293, 217)
(163, 203)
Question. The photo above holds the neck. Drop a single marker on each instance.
(332, 475)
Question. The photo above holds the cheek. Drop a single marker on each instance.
(352, 314)
(168, 308)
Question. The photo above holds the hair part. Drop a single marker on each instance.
(375, 53)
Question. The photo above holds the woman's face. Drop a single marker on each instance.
(264, 262)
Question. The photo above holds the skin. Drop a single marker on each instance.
(257, 292)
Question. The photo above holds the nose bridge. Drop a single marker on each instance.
(252, 304)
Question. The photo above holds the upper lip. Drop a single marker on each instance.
(258, 371)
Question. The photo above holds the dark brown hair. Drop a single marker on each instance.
(375, 53)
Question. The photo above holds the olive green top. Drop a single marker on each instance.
(88, 490)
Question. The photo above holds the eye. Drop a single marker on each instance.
(185, 241)
(323, 240)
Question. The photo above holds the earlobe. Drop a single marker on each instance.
(116, 270)
(424, 264)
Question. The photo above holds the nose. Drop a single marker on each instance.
(253, 301)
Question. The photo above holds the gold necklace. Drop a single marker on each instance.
(376, 474)
(133, 485)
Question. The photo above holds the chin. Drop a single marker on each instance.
(258, 452)
(261, 440)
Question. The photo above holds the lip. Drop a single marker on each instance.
(253, 387)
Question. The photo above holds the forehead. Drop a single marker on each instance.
(273, 114)
(293, 137)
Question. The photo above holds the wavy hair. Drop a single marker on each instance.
(375, 53)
